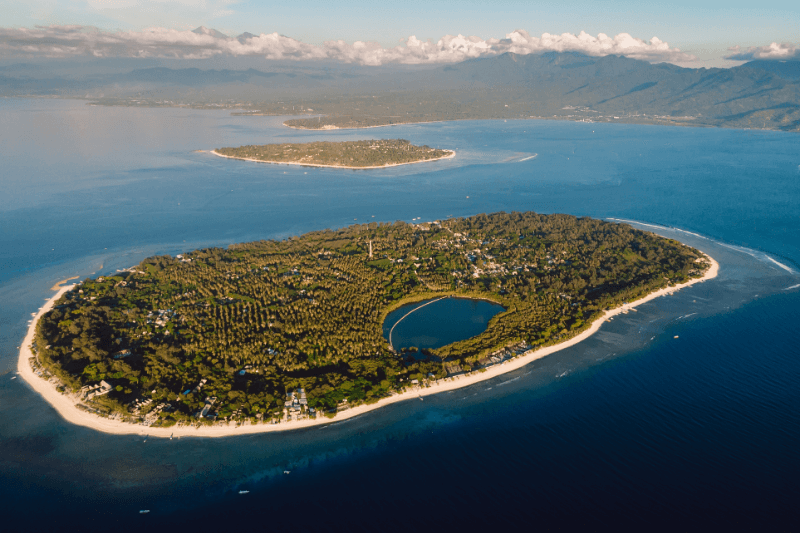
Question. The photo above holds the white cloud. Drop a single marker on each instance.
(772, 51)
(118, 4)
(623, 44)
(163, 42)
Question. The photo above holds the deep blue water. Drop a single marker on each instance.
(435, 323)
(632, 428)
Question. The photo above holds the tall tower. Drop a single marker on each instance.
(370, 249)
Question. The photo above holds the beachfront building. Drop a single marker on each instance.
(93, 391)
(207, 407)
(296, 406)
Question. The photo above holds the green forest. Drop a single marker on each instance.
(234, 330)
(372, 153)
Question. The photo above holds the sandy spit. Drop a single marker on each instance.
(66, 407)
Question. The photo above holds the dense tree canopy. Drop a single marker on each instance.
(363, 154)
(260, 319)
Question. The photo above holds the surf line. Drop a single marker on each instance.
(786, 268)
(405, 315)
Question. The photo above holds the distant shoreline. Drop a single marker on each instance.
(334, 128)
(66, 406)
(451, 155)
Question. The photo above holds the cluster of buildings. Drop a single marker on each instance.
(296, 407)
(204, 412)
(92, 391)
(504, 354)
(138, 405)
(160, 317)
(152, 416)
(198, 387)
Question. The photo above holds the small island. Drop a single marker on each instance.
(358, 155)
(273, 335)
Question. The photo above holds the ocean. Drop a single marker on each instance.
(632, 428)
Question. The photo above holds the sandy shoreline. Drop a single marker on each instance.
(335, 128)
(450, 156)
(58, 285)
(68, 410)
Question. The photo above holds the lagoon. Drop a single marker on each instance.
(434, 323)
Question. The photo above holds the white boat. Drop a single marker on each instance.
(286, 471)
(144, 511)
(244, 491)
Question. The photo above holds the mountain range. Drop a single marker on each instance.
(758, 94)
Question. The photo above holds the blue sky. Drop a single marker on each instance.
(705, 29)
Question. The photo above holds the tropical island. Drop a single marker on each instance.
(376, 153)
(269, 332)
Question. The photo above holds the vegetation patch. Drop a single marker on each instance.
(356, 154)
(229, 332)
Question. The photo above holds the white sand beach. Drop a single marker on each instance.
(330, 127)
(66, 405)
(451, 155)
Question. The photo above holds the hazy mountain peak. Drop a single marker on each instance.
(788, 70)
(202, 30)
(244, 37)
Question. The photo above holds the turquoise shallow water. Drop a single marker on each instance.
(631, 426)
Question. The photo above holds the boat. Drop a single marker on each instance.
(144, 511)
(244, 491)
(286, 471)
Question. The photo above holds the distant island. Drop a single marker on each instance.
(273, 335)
(377, 153)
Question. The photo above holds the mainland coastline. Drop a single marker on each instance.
(67, 407)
